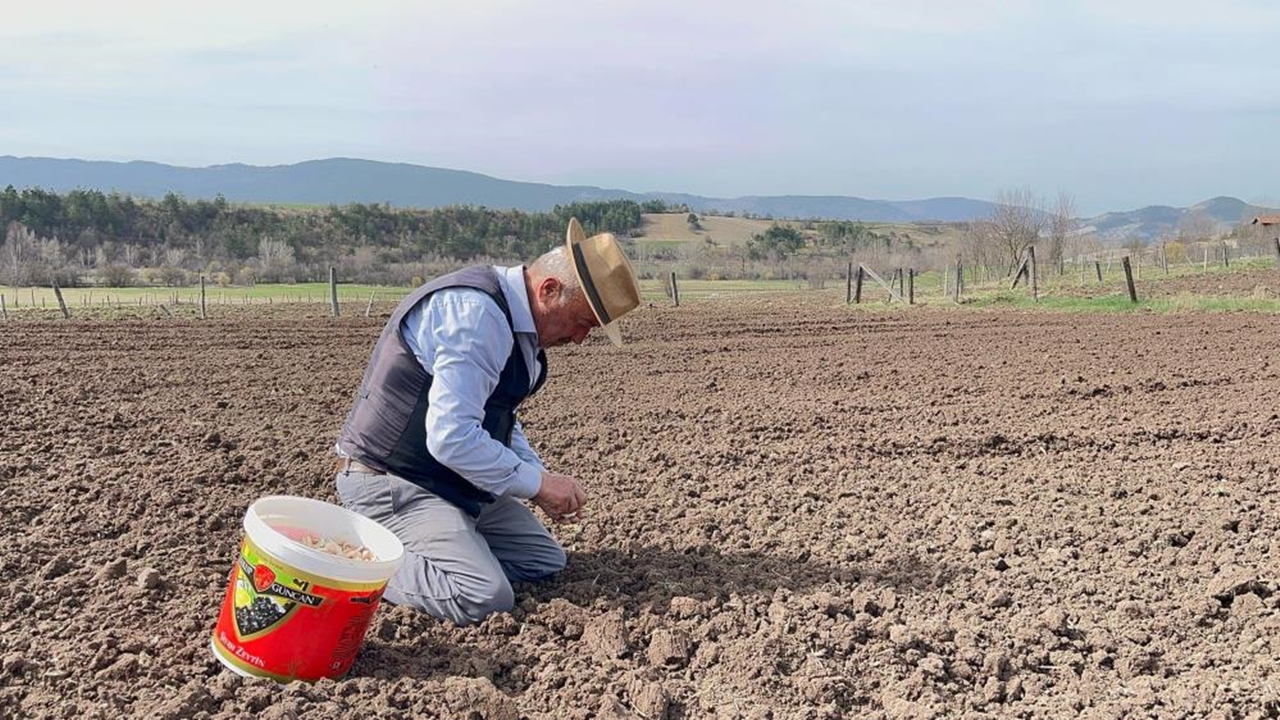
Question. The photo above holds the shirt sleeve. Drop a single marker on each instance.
(463, 340)
(520, 445)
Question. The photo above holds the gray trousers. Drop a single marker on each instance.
(456, 567)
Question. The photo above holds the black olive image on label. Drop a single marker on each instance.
(261, 614)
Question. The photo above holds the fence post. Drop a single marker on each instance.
(333, 290)
(3, 310)
(848, 284)
(1128, 278)
(202, 309)
(1035, 288)
(911, 286)
(1164, 258)
(857, 287)
(1225, 261)
(1097, 266)
(369, 308)
(675, 289)
(959, 279)
(1277, 246)
(57, 292)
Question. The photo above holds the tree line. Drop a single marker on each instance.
(92, 237)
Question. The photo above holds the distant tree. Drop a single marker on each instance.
(980, 246)
(779, 241)
(1061, 222)
(117, 276)
(1197, 226)
(692, 220)
(173, 276)
(20, 248)
(273, 252)
(1135, 246)
(846, 235)
(1017, 221)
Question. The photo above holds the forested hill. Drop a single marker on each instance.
(345, 180)
(88, 232)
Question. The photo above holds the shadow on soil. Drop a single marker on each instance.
(652, 575)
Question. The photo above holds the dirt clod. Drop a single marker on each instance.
(606, 636)
(150, 579)
(669, 648)
(478, 698)
(117, 568)
(55, 568)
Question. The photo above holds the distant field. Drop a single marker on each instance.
(214, 295)
(318, 293)
(723, 230)
(1252, 284)
(661, 229)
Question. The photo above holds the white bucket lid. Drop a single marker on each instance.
(324, 520)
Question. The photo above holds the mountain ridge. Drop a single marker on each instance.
(343, 180)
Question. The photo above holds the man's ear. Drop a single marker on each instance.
(549, 289)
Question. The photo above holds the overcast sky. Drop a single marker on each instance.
(1120, 103)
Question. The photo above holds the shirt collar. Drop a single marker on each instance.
(513, 288)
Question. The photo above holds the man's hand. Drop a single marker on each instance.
(560, 498)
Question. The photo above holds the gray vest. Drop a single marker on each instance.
(386, 428)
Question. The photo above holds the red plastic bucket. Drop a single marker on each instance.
(293, 612)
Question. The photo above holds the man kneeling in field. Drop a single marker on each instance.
(432, 448)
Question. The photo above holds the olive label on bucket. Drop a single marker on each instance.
(264, 598)
(286, 623)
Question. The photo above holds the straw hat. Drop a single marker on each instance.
(605, 275)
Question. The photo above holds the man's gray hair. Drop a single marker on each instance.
(557, 264)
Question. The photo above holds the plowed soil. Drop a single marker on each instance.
(1254, 282)
(797, 511)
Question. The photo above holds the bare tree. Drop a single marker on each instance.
(1136, 247)
(275, 253)
(275, 259)
(20, 248)
(1197, 226)
(980, 247)
(1018, 220)
(1082, 244)
(1062, 221)
(132, 255)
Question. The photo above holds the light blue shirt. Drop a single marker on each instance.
(462, 338)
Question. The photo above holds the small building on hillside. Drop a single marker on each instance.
(1269, 228)
(1267, 222)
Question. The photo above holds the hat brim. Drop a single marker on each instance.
(573, 236)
